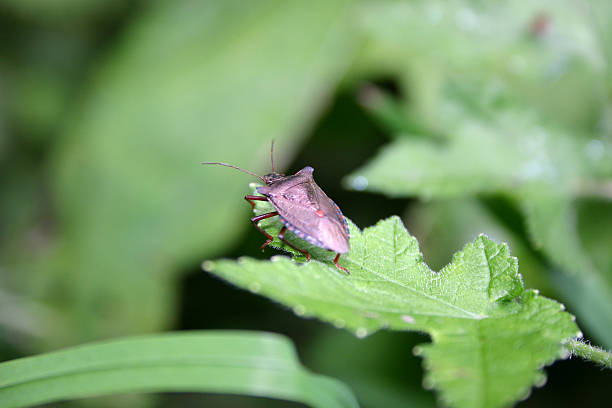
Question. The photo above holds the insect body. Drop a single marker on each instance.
(304, 209)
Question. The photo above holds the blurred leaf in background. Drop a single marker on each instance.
(187, 82)
(524, 115)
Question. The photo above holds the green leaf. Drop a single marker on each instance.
(509, 153)
(552, 223)
(188, 82)
(423, 43)
(443, 226)
(490, 336)
(249, 363)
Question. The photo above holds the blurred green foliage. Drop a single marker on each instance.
(107, 108)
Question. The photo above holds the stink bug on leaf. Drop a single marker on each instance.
(304, 209)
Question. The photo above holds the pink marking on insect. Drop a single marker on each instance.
(320, 213)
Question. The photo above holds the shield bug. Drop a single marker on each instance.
(304, 209)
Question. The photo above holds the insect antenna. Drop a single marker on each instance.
(237, 168)
(272, 156)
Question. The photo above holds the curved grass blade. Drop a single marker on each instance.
(235, 362)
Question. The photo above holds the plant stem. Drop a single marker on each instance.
(589, 352)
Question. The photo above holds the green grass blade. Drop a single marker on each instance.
(236, 362)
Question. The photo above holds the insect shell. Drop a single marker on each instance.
(303, 208)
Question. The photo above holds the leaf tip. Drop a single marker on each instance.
(394, 219)
(207, 266)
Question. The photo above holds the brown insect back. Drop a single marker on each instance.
(308, 212)
(303, 208)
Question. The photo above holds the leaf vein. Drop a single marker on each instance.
(414, 290)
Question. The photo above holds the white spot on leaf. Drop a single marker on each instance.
(408, 319)
(360, 183)
(361, 332)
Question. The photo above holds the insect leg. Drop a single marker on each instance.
(340, 267)
(281, 236)
(251, 198)
(258, 218)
